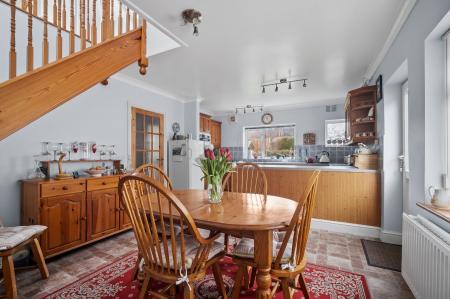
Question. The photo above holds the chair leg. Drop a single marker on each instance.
(246, 278)
(302, 283)
(144, 289)
(238, 282)
(10, 277)
(39, 257)
(219, 280)
(287, 294)
(188, 291)
(136, 267)
(252, 277)
(226, 241)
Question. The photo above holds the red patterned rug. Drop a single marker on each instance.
(114, 281)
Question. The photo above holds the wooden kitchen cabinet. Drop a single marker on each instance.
(213, 127)
(65, 217)
(103, 213)
(76, 212)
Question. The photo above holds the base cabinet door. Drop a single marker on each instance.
(65, 217)
(125, 221)
(102, 213)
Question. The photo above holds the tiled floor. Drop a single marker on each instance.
(324, 248)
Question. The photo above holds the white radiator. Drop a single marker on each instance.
(425, 258)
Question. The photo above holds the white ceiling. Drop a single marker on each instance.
(243, 43)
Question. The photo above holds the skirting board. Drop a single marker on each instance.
(358, 230)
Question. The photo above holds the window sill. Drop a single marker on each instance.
(441, 213)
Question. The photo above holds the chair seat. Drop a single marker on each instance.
(176, 228)
(246, 249)
(191, 251)
(10, 237)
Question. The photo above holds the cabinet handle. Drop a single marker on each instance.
(103, 183)
(65, 188)
(84, 218)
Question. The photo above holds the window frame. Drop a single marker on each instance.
(333, 121)
(446, 174)
(244, 136)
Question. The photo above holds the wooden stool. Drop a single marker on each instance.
(12, 240)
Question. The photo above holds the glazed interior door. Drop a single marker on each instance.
(147, 138)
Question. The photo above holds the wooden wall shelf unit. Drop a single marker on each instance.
(46, 164)
(76, 212)
(357, 121)
(352, 197)
(213, 127)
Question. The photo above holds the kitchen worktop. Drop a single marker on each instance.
(312, 166)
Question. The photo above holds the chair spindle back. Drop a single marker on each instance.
(246, 178)
(145, 200)
(155, 173)
(299, 226)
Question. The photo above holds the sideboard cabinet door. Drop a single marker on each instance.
(103, 213)
(65, 217)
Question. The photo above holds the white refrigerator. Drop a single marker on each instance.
(183, 160)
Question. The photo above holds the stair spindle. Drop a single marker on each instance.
(12, 49)
(88, 21)
(128, 19)
(58, 36)
(35, 7)
(72, 28)
(45, 39)
(24, 5)
(119, 25)
(55, 13)
(111, 26)
(64, 16)
(30, 37)
(94, 22)
(82, 26)
(134, 20)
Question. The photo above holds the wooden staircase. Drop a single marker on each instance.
(31, 95)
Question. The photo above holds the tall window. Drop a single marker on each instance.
(335, 132)
(147, 138)
(446, 38)
(269, 141)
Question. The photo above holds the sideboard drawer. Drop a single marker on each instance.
(61, 188)
(102, 183)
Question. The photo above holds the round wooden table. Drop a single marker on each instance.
(248, 214)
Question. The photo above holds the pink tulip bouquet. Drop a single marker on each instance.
(216, 164)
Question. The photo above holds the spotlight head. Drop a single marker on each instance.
(276, 88)
(195, 33)
(264, 89)
(304, 84)
(290, 86)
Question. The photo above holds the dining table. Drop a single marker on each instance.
(251, 215)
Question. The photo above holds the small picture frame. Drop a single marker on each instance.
(309, 139)
(379, 84)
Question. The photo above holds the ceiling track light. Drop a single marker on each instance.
(284, 81)
(248, 109)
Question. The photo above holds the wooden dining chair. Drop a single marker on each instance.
(156, 173)
(12, 240)
(169, 258)
(289, 253)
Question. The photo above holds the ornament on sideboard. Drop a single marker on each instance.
(61, 175)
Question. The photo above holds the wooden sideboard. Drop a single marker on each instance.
(352, 197)
(76, 212)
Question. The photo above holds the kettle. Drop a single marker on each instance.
(324, 157)
(440, 198)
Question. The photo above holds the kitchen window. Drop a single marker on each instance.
(446, 39)
(335, 132)
(269, 142)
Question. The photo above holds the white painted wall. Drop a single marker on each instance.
(410, 46)
(100, 114)
(307, 120)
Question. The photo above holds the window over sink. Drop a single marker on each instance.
(269, 142)
(335, 132)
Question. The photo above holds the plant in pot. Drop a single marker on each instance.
(215, 165)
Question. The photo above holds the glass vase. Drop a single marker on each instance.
(215, 191)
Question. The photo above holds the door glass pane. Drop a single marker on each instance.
(148, 141)
(139, 158)
(139, 122)
(148, 157)
(148, 124)
(155, 158)
(139, 141)
(156, 125)
(155, 142)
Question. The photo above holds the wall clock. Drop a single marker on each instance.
(267, 118)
